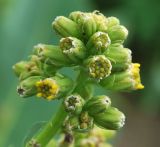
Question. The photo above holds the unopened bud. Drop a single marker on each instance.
(111, 119)
(25, 69)
(80, 123)
(74, 104)
(99, 67)
(119, 56)
(27, 87)
(97, 104)
(86, 23)
(66, 27)
(112, 21)
(117, 34)
(73, 48)
(101, 21)
(51, 54)
(98, 43)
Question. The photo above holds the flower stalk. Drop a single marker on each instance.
(47, 132)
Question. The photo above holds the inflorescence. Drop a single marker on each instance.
(93, 44)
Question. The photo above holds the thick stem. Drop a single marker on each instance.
(84, 86)
(49, 130)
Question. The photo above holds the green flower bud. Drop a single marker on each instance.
(111, 119)
(101, 21)
(73, 48)
(98, 43)
(112, 21)
(99, 66)
(51, 54)
(102, 134)
(81, 123)
(25, 69)
(66, 27)
(119, 56)
(19, 67)
(86, 122)
(75, 15)
(54, 87)
(97, 104)
(125, 80)
(117, 34)
(86, 23)
(74, 104)
(27, 87)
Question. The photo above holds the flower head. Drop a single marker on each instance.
(74, 103)
(125, 80)
(99, 67)
(98, 42)
(136, 76)
(73, 48)
(47, 88)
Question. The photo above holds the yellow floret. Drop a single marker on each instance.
(136, 76)
(47, 88)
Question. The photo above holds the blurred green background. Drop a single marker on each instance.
(24, 23)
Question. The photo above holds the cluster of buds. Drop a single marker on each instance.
(97, 137)
(93, 44)
(96, 110)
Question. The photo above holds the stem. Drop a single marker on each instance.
(49, 130)
(84, 86)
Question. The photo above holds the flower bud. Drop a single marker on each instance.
(81, 123)
(54, 87)
(75, 15)
(25, 69)
(117, 34)
(99, 67)
(74, 104)
(97, 104)
(27, 87)
(101, 21)
(86, 23)
(73, 48)
(119, 56)
(111, 119)
(66, 27)
(102, 134)
(98, 43)
(19, 67)
(51, 54)
(86, 122)
(112, 21)
(125, 80)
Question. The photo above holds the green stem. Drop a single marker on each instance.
(84, 86)
(49, 130)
